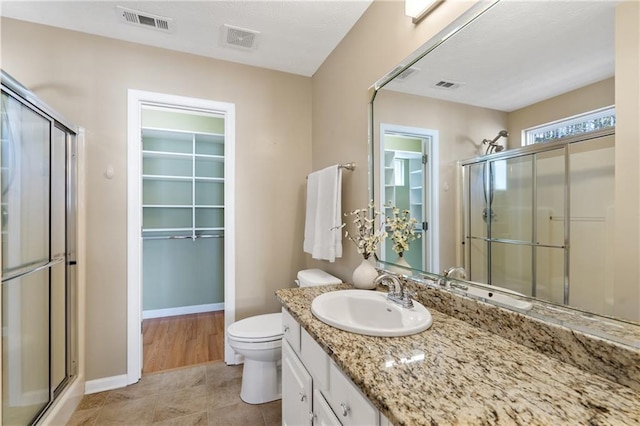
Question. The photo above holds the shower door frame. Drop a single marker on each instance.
(64, 395)
(465, 224)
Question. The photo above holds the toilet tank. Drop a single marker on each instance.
(314, 277)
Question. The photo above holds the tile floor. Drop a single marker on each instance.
(207, 395)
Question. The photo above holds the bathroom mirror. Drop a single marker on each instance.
(503, 71)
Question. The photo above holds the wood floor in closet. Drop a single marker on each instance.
(183, 340)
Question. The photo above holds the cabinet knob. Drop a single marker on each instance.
(345, 409)
(286, 328)
(302, 397)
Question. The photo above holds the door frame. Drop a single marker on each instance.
(136, 99)
(430, 141)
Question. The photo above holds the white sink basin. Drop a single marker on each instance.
(369, 313)
(499, 298)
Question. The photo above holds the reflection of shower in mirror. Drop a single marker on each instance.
(492, 145)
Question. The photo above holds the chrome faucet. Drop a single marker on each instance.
(458, 271)
(396, 293)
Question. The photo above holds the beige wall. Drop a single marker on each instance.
(584, 99)
(627, 159)
(382, 38)
(86, 79)
(461, 129)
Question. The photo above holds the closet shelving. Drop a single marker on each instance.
(415, 187)
(183, 184)
(389, 180)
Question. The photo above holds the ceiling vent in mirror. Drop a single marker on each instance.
(443, 84)
(144, 19)
(239, 37)
(404, 74)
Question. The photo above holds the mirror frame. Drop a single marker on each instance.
(619, 330)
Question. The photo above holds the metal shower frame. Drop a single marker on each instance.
(465, 225)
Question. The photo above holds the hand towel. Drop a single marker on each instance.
(323, 221)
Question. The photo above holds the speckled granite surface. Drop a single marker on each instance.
(606, 358)
(467, 376)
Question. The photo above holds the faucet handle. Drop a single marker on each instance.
(406, 298)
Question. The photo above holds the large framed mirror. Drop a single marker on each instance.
(507, 138)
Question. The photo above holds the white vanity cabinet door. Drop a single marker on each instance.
(315, 359)
(296, 390)
(348, 403)
(291, 330)
(322, 414)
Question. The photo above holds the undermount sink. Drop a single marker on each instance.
(498, 297)
(370, 313)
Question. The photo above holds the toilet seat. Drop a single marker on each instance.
(257, 329)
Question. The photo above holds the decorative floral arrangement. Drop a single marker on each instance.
(365, 235)
(401, 227)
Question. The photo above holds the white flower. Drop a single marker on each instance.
(402, 227)
(365, 236)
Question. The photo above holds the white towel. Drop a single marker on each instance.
(322, 232)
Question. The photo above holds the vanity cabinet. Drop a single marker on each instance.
(314, 390)
(296, 390)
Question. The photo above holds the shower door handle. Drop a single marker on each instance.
(26, 270)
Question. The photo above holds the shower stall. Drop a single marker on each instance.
(38, 222)
(539, 220)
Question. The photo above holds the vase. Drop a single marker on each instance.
(364, 275)
(400, 266)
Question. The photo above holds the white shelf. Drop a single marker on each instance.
(197, 153)
(167, 177)
(166, 154)
(167, 206)
(167, 229)
(209, 179)
(160, 132)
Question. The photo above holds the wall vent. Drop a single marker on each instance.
(144, 19)
(443, 84)
(239, 37)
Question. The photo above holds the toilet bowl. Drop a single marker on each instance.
(259, 340)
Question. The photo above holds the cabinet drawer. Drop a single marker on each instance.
(291, 330)
(322, 414)
(348, 403)
(315, 359)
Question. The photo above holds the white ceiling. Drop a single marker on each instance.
(296, 36)
(519, 53)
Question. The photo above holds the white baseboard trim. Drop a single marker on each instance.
(182, 310)
(66, 404)
(105, 384)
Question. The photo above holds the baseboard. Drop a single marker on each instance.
(182, 310)
(66, 404)
(105, 384)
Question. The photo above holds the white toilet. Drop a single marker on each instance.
(259, 340)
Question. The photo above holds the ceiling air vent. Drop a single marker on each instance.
(239, 37)
(443, 84)
(144, 19)
(404, 74)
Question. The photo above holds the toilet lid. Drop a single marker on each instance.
(260, 327)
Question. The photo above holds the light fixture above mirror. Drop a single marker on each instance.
(418, 9)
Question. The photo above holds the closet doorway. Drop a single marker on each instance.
(180, 223)
(409, 164)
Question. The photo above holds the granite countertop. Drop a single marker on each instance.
(467, 375)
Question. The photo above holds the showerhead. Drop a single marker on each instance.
(493, 146)
(501, 134)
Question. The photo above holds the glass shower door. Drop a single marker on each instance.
(26, 262)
